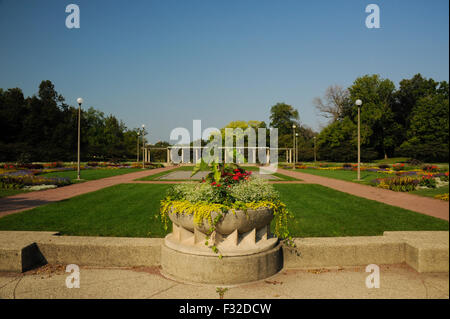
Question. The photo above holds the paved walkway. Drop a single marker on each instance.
(21, 202)
(396, 281)
(424, 205)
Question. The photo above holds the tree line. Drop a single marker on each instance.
(411, 121)
(44, 128)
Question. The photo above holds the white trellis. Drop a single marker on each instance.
(197, 151)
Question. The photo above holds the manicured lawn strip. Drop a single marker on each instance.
(124, 210)
(129, 210)
(344, 175)
(431, 192)
(321, 211)
(392, 160)
(285, 177)
(93, 174)
(9, 192)
(157, 177)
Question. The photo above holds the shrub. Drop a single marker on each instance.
(398, 166)
(253, 190)
(347, 165)
(54, 164)
(442, 196)
(9, 182)
(14, 181)
(384, 166)
(428, 181)
(8, 166)
(93, 164)
(195, 192)
(414, 162)
(430, 168)
(398, 184)
(31, 166)
(444, 177)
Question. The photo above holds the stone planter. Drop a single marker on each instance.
(242, 221)
(245, 245)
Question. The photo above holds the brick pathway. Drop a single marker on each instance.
(21, 202)
(424, 205)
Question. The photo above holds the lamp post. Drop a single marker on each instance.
(137, 142)
(79, 101)
(296, 147)
(315, 158)
(358, 103)
(293, 137)
(143, 146)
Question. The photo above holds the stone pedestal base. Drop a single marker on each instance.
(228, 270)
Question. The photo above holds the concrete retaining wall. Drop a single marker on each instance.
(423, 251)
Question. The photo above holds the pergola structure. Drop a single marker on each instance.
(197, 150)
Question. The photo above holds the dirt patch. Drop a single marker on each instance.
(47, 270)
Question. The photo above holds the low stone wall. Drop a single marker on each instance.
(425, 251)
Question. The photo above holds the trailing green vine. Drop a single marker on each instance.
(203, 211)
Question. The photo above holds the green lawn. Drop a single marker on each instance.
(130, 210)
(321, 211)
(125, 210)
(392, 160)
(92, 174)
(349, 176)
(431, 192)
(9, 192)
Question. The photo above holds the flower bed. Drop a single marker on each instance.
(19, 181)
(398, 184)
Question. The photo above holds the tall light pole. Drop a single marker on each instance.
(358, 103)
(293, 137)
(79, 101)
(296, 147)
(315, 158)
(143, 146)
(137, 152)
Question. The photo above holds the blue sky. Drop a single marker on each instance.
(164, 63)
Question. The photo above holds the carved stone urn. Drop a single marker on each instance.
(237, 233)
(247, 250)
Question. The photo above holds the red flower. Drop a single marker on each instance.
(235, 178)
(236, 170)
(213, 183)
(218, 185)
